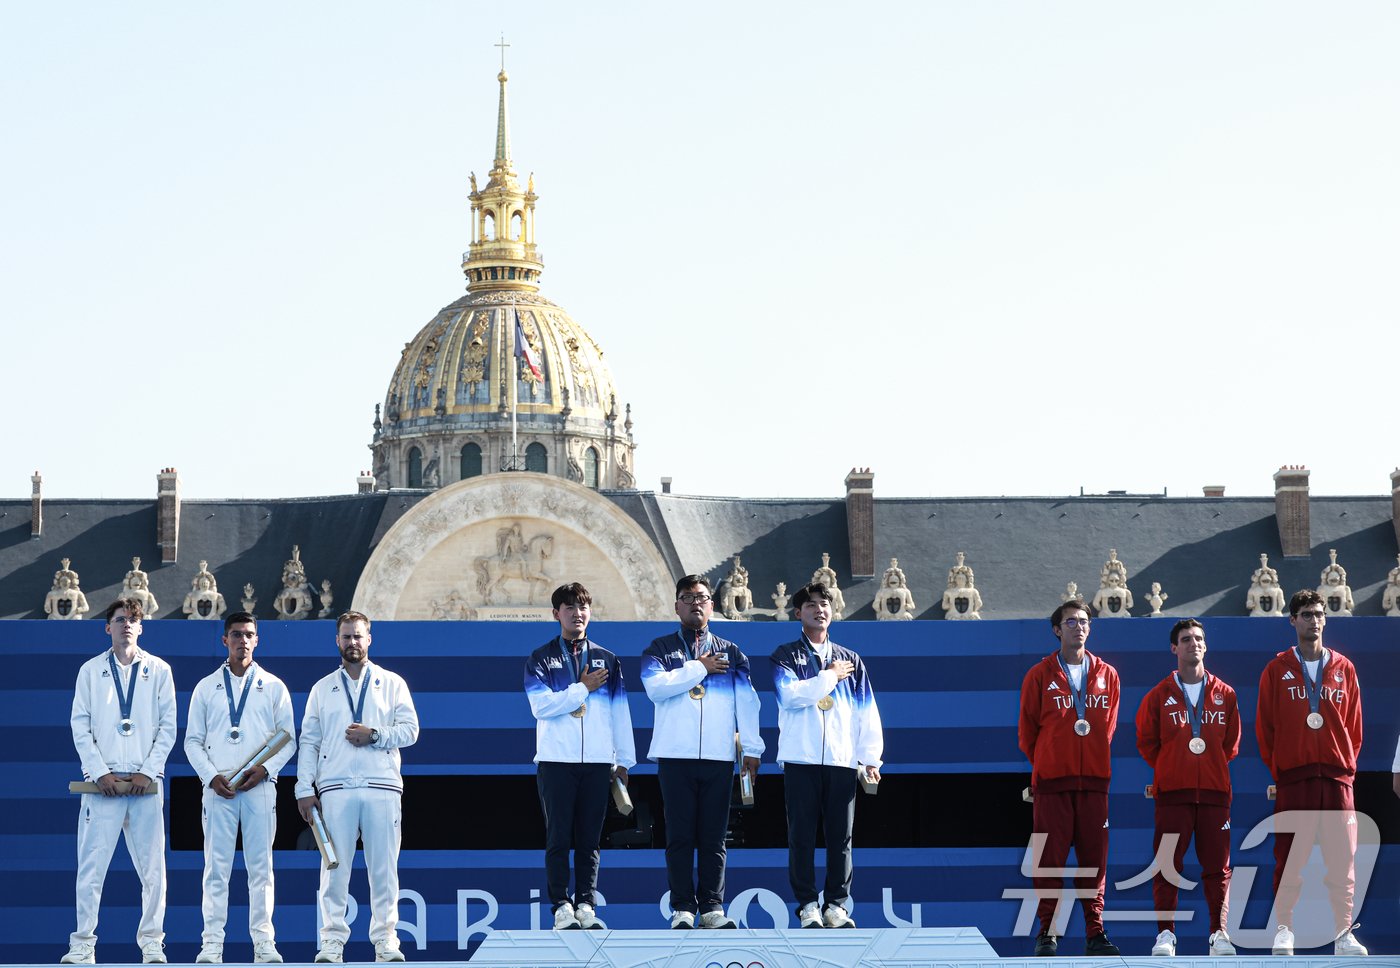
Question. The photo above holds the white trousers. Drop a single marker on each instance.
(374, 816)
(141, 820)
(256, 812)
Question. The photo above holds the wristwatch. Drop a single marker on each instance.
(373, 736)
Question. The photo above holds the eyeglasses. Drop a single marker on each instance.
(1315, 616)
(694, 598)
(1074, 623)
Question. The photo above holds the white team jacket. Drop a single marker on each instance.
(268, 709)
(96, 713)
(328, 760)
(603, 734)
(703, 728)
(848, 734)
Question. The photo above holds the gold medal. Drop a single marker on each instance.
(825, 703)
(697, 691)
(580, 711)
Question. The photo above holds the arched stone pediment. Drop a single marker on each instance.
(496, 547)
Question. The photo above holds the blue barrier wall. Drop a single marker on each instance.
(948, 696)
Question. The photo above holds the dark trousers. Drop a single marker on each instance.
(1077, 818)
(696, 795)
(1209, 824)
(819, 796)
(574, 798)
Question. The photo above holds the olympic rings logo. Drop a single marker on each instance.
(736, 964)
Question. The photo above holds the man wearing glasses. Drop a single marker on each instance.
(1309, 729)
(1069, 710)
(703, 694)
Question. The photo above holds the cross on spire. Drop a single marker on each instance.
(503, 45)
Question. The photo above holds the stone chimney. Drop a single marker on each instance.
(36, 507)
(365, 483)
(665, 485)
(168, 515)
(1394, 502)
(860, 521)
(1213, 490)
(1291, 511)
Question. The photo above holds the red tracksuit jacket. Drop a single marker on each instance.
(1291, 750)
(1061, 760)
(1163, 735)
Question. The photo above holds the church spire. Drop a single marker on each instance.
(502, 128)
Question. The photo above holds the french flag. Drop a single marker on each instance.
(523, 350)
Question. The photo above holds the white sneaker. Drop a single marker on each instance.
(331, 953)
(1165, 946)
(210, 953)
(388, 950)
(681, 920)
(80, 953)
(836, 917)
(716, 919)
(1220, 946)
(153, 953)
(588, 919)
(1283, 941)
(564, 918)
(1347, 945)
(810, 916)
(266, 953)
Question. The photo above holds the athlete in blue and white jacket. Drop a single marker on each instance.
(703, 694)
(829, 733)
(583, 737)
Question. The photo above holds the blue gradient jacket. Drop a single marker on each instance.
(699, 729)
(603, 734)
(849, 733)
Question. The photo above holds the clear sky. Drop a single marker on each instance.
(982, 248)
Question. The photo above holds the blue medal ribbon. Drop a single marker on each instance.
(1313, 687)
(235, 713)
(1080, 695)
(357, 709)
(123, 702)
(1193, 713)
(578, 663)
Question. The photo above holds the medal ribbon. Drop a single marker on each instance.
(1081, 695)
(357, 709)
(1313, 689)
(235, 713)
(123, 702)
(694, 653)
(578, 663)
(1193, 713)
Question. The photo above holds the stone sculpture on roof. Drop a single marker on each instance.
(780, 602)
(1336, 594)
(961, 599)
(1113, 600)
(735, 598)
(1265, 596)
(137, 585)
(1155, 599)
(326, 599)
(1390, 598)
(250, 600)
(893, 601)
(1072, 593)
(294, 598)
(204, 601)
(827, 576)
(65, 600)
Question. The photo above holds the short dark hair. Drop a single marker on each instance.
(132, 606)
(1186, 623)
(1302, 600)
(1073, 605)
(571, 594)
(239, 618)
(351, 617)
(690, 581)
(809, 591)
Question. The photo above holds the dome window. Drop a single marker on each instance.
(590, 468)
(415, 467)
(471, 461)
(537, 459)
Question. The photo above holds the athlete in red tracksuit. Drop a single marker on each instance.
(1069, 710)
(1191, 780)
(1309, 728)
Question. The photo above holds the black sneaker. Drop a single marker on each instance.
(1100, 947)
(1046, 945)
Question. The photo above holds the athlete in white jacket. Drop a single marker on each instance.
(233, 712)
(357, 719)
(123, 729)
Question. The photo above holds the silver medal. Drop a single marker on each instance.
(1314, 720)
(1081, 727)
(235, 735)
(126, 727)
(1197, 745)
